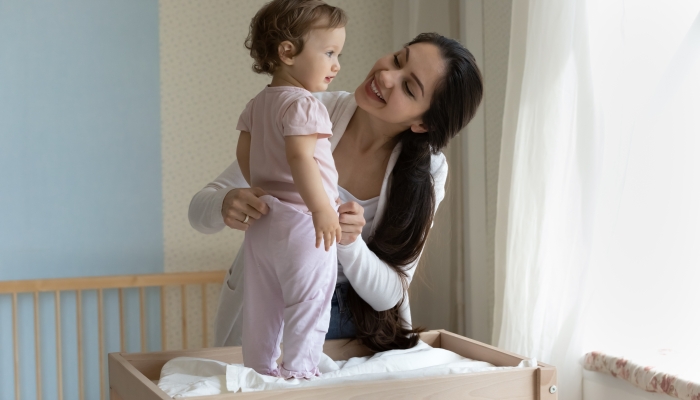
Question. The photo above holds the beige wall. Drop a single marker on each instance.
(206, 81)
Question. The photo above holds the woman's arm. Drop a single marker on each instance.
(376, 282)
(228, 195)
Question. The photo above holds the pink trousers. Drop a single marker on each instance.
(288, 288)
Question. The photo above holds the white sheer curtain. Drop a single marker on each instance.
(598, 226)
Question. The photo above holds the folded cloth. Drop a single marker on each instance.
(188, 377)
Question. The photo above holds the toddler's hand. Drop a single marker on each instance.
(327, 227)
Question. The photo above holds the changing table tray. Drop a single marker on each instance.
(131, 375)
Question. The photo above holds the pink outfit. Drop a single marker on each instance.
(288, 281)
(282, 111)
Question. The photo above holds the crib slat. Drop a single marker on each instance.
(15, 339)
(59, 366)
(37, 346)
(162, 318)
(100, 335)
(142, 295)
(79, 319)
(183, 297)
(122, 328)
(204, 316)
(17, 289)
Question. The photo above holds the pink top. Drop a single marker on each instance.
(282, 111)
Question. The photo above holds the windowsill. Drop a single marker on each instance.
(665, 371)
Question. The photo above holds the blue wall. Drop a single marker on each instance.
(80, 160)
(79, 138)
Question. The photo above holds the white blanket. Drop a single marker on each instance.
(188, 377)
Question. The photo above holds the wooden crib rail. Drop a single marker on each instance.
(111, 282)
(99, 284)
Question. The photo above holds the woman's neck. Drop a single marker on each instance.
(371, 135)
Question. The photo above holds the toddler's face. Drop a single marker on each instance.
(317, 64)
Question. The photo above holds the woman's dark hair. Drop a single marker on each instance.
(287, 20)
(403, 230)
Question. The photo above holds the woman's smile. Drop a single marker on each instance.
(373, 91)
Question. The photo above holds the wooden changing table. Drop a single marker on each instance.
(130, 375)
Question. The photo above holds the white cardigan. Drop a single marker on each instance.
(376, 282)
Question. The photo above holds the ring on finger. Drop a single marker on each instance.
(245, 221)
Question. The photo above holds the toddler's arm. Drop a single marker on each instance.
(307, 178)
(243, 154)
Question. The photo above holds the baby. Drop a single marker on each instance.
(284, 149)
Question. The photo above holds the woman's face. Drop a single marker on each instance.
(400, 86)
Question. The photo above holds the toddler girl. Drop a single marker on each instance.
(284, 149)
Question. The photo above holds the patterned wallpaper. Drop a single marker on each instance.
(206, 81)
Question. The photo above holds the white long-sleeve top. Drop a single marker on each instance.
(375, 281)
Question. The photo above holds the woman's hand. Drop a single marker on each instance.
(352, 219)
(240, 204)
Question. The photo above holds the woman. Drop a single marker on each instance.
(387, 141)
